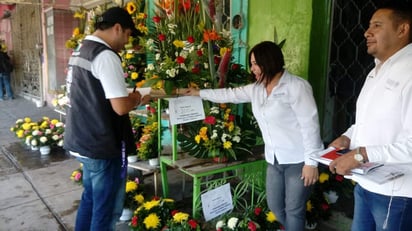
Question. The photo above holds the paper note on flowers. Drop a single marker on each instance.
(216, 202)
(186, 109)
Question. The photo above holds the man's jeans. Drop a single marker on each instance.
(5, 82)
(377, 212)
(103, 196)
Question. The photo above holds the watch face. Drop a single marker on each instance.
(358, 157)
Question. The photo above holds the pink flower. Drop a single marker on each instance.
(78, 176)
(251, 226)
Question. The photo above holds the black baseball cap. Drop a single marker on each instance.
(118, 15)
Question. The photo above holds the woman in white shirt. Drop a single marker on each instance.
(286, 112)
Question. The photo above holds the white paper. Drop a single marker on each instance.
(185, 109)
(216, 202)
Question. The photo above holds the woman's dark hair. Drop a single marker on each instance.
(269, 58)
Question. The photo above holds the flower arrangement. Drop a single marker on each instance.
(153, 215)
(257, 219)
(325, 192)
(134, 194)
(181, 221)
(186, 46)
(77, 175)
(217, 136)
(79, 31)
(44, 132)
(147, 147)
(133, 65)
(61, 99)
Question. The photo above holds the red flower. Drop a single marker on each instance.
(192, 223)
(210, 120)
(199, 53)
(157, 19)
(173, 212)
(251, 226)
(180, 59)
(235, 66)
(134, 221)
(196, 70)
(231, 118)
(339, 178)
(257, 211)
(325, 206)
(216, 60)
(190, 39)
(156, 198)
(161, 37)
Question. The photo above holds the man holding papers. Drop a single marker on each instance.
(383, 128)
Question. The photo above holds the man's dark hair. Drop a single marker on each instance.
(269, 58)
(402, 12)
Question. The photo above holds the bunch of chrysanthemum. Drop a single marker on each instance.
(61, 99)
(23, 128)
(181, 221)
(77, 175)
(258, 219)
(186, 46)
(79, 31)
(153, 215)
(134, 194)
(217, 136)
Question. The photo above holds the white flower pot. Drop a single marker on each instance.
(127, 214)
(154, 162)
(45, 150)
(34, 148)
(132, 159)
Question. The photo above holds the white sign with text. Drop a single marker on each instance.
(185, 109)
(216, 202)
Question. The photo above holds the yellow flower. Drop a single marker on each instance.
(150, 204)
(79, 15)
(20, 133)
(129, 56)
(139, 198)
(131, 186)
(179, 217)
(227, 145)
(270, 216)
(151, 221)
(168, 200)
(131, 7)
(197, 138)
(179, 43)
(54, 121)
(134, 75)
(76, 31)
(26, 126)
(323, 177)
(27, 120)
(309, 206)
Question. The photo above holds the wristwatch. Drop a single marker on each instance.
(358, 156)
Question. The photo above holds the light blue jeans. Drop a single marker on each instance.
(102, 200)
(372, 210)
(5, 82)
(286, 194)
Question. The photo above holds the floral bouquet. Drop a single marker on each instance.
(23, 128)
(258, 219)
(134, 194)
(152, 215)
(79, 31)
(217, 136)
(186, 46)
(147, 147)
(77, 175)
(61, 99)
(181, 221)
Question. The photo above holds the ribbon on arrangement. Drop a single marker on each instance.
(124, 160)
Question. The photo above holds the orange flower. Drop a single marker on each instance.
(210, 35)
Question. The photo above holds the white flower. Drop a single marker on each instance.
(225, 137)
(43, 139)
(55, 137)
(232, 222)
(220, 224)
(236, 139)
(60, 143)
(28, 140)
(35, 133)
(59, 124)
(19, 121)
(48, 131)
(214, 134)
(150, 67)
(214, 110)
(157, 57)
(33, 142)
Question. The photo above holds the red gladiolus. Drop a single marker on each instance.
(199, 53)
(185, 4)
(180, 59)
(235, 66)
(161, 37)
(156, 19)
(257, 211)
(210, 120)
(196, 70)
(216, 60)
(190, 39)
(192, 223)
(231, 118)
(251, 226)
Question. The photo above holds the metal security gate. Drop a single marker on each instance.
(349, 64)
(26, 34)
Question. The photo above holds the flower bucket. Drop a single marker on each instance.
(45, 150)
(154, 162)
(126, 214)
(34, 148)
(132, 159)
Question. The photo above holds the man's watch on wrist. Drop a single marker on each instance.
(358, 156)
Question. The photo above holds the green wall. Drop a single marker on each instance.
(276, 20)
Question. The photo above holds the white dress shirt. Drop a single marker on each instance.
(384, 120)
(288, 117)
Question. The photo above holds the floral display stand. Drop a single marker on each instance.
(207, 175)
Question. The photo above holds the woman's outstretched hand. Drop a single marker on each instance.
(188, 91)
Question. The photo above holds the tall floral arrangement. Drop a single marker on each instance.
(186, 47)
(147, 146)
(218, 136)
(78, 33)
